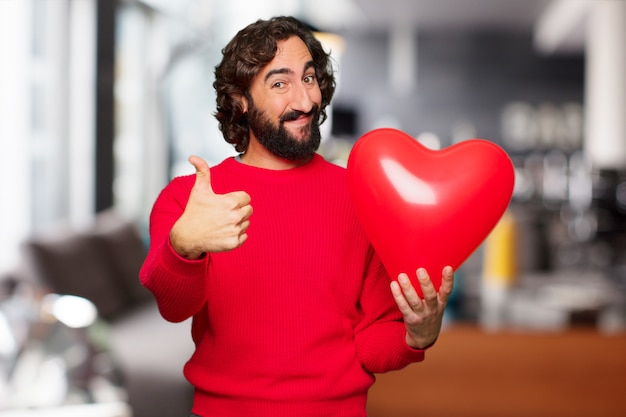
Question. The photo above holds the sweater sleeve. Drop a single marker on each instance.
(380, 336)
(177, 284)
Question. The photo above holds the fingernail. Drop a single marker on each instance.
(403, 279)
(421, 273)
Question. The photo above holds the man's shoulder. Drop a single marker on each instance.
(330, 166)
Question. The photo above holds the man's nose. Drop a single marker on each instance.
(302, 100)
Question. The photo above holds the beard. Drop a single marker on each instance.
(279, 141)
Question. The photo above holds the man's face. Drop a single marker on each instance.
(284, 101)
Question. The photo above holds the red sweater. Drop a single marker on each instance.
(296, 321)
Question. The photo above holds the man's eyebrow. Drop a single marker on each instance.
(308, 65)
(277, 71)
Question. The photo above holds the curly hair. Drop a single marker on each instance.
(245, 55)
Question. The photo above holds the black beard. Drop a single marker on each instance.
(280, 142)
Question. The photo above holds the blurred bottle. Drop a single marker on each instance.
(500, 271)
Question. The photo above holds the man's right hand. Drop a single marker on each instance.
(211, 222)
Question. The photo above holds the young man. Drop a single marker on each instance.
(292, 309)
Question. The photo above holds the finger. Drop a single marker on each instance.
(243, 226)
(412, 298)
(400, 299)
(428, 289)
(203, 173)
(246, 213)
(243, 199)
(447, 284)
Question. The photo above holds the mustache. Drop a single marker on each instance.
(293, 115)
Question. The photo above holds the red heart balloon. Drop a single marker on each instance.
(426, 208)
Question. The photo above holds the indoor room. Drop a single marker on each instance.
(102, 102)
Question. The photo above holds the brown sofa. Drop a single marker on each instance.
(101, 263)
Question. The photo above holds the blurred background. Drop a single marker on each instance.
(102, 101)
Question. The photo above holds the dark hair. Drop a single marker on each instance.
(245, 55)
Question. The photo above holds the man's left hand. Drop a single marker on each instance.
(422, 317)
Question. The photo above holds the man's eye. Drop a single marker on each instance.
(278, 84)
(309, 79)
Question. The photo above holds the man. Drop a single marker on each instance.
(292, 309)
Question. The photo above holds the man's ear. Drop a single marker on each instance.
(244, 103)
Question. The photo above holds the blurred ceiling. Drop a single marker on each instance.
(558, 26)
(454, 14)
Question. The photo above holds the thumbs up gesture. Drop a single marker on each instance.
(211, 222)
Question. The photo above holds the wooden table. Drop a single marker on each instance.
(469, 372)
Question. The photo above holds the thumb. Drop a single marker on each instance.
(203, 173)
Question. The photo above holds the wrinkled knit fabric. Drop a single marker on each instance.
(297, 320)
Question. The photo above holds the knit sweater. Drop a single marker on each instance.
(297, 320)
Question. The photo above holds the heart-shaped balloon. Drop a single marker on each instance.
(427, 208)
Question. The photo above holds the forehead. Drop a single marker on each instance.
(291, 55)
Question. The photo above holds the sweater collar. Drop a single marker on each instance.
(249, 170)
